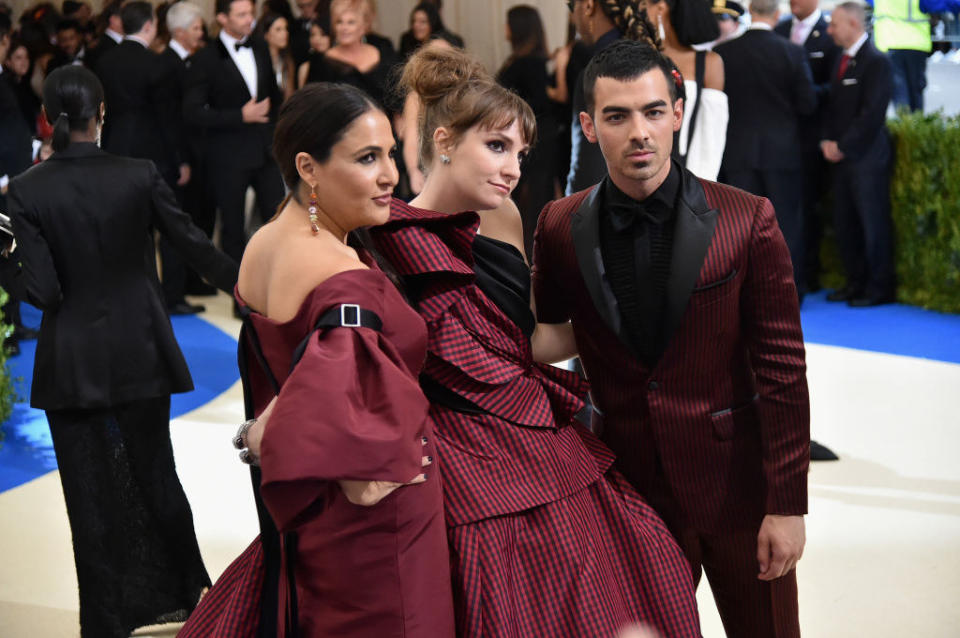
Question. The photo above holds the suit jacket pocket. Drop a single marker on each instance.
(715, 284)
(713, 291)
(728, 422)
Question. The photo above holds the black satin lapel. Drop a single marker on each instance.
(233, 66)
(585, 230)
(691, 239)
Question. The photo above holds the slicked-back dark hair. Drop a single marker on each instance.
(134, 15)
(626, 60)
(72, 96)
(223, 6)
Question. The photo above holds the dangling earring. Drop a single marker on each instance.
(312, 209)
(660, 31)
(444, 159)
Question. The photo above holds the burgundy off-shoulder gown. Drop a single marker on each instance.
(350, 409)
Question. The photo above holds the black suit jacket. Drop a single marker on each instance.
(104, 43)
(215, 92)
(768, 86)
(822, 55)
(856, 111)
(84, 222)
(16, 149)
(141, 105)
(175, 70)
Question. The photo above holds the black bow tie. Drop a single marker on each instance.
(623, 215)
(246, 43)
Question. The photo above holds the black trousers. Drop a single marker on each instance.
(863, 225)
(909, 77)
(784, 189)
(134, 545)
(174, 269)
(816, 181)
(230, 185)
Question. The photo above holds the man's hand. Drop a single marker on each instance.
(779, 545)
(184, 175)
(256, 112)
(831, 151)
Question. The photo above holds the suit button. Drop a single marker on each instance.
(653, 385)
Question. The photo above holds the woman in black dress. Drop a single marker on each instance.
(17, 69)
(351, 60)
(525, 73)
(107, 361)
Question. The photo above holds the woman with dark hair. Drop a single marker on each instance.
(425, 25)
(17, 69)
(319, 45)
(525, 73)
(107, 360)
(272, 27)
(703, 135)
(330, 354)
(546, 538)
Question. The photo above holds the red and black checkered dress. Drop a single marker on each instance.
(546, 538)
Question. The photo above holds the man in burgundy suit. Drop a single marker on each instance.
(682, 300)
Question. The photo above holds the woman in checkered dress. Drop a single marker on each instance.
(546, 538)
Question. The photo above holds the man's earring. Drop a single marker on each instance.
(444, 159)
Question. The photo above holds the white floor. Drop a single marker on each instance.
(883, 550)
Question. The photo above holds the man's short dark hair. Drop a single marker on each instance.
(134, 15)
(6, 25)
(66, 25)
(223, 6)
(626, 60)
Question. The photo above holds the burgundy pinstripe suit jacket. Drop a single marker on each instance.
(720, 424)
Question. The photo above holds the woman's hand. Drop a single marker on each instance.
(553, 342)
(253, 437)
(369, 493)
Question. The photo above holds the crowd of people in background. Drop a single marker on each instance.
(786, 108)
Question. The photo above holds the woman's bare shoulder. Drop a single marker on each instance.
(503, 223)
(713, 77)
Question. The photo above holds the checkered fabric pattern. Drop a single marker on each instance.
(231, 609)
(546, 539)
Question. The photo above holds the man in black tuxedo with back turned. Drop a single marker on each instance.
(232, 95)
(856, 141)
(769, 88)
(144, 103)
(808, 28)
(112, 35)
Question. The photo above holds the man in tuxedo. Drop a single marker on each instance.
(70, 47)
(143, 98)
(856, 141)
(808, 28)
(768, 86)
(232, 95)
(112, 33)
(681, 296)
(310, 11)
(186, 28)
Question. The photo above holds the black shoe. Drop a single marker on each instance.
(22, 333)
(867, 302)
(200, 289)
(821, 452)
(813, 285)
(183, 308)
(844, 294)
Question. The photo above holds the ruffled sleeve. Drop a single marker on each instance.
(350, 409)
(709, 135)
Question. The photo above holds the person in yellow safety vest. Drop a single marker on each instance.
(902, 30)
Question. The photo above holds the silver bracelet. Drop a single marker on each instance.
(239, 441)
(248, 457)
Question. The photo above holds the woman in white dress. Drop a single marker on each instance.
(681, 24)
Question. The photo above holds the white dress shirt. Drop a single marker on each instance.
(179, 49)
(113, 35)
(855, 47)
(244, 59)
(800, 30)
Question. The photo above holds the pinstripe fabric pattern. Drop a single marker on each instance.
(545, 539)
(231, 609)
(725, 410)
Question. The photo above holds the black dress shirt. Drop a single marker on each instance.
(636, 241)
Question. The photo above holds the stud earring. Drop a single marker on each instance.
(444, 159)
(312, 209)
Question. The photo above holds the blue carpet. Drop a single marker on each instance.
(894, 329)
(26, 451)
